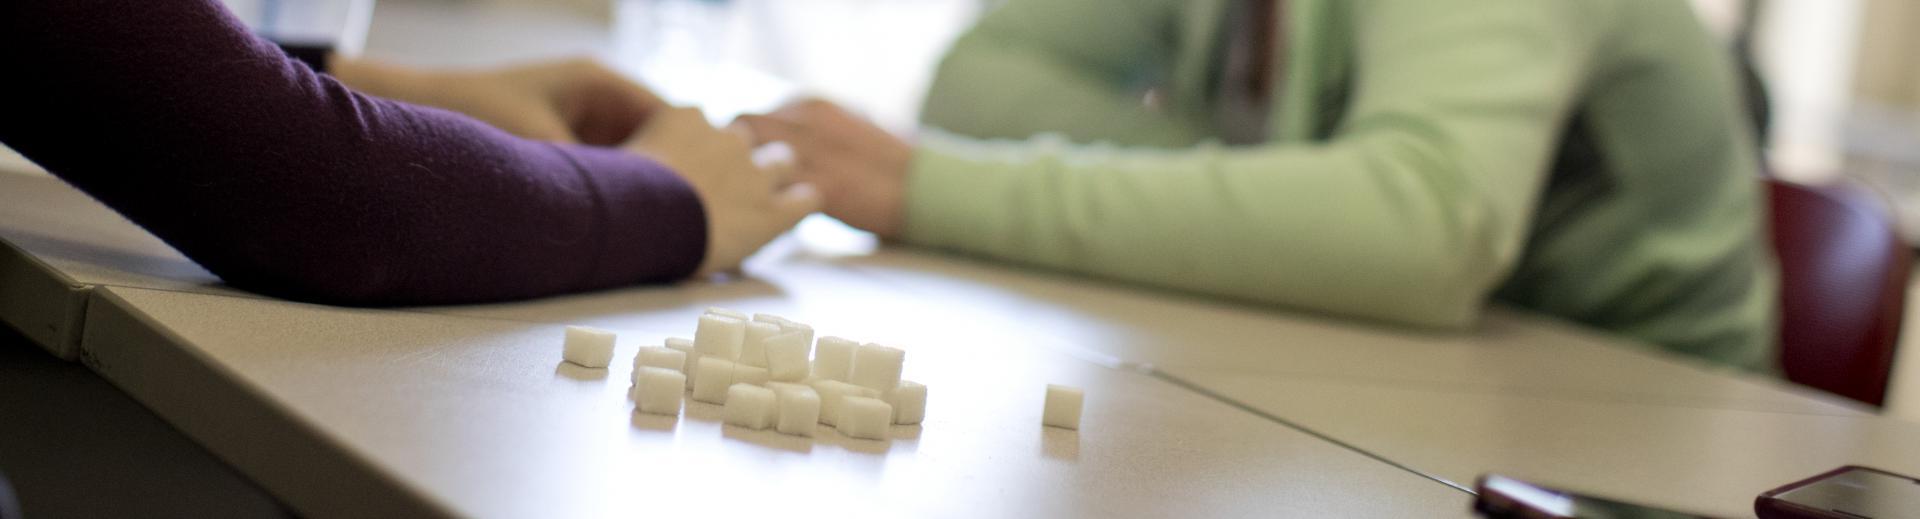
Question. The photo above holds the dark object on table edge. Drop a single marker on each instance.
(1500, 497)
(1777, 504)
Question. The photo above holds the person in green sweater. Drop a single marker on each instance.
(1397, 160)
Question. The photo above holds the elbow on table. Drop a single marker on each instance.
(353, 279)
(1455, 237)
(1446, 285)
(1443, 294)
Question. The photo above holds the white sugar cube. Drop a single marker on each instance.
(1063, 407)
(909, 401)
(719, 336)
(590, 347)
(750, 406)
(779, 387)
(744, 374)
(680, 344)
(715, 375)
(865, 417)
(736, 314)
(799, 409)
(770, 318)
(787, 357)
(658, 390)
(753, 351)
(806, 332)
(877, 366)
(833, 358)
(832, 392)
(685, 346)
(659, 357)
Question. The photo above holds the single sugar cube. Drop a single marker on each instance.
(680, 344)
(778, 387)
(833, 358)
(799, 410)
(865, 417)
(770, 318)
(832, 392)
(685, 346)
(658, 390)
(787, 357)
(750, 406)
(744, 374)
(736, 314)
(877, 366)
(1063, 407)
(806, 332)
(590, 347)
(719, 336)
(715, 375)
(909, 401)
(659, 357)
(753, 351)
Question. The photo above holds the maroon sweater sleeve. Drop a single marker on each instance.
(285, 182)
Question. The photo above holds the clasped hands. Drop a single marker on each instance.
(841, 164)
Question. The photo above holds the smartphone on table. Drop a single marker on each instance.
(1507, 498)
(1850, 492)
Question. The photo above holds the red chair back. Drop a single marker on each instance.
(1843, 280)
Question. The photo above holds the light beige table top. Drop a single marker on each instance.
(314, 373)
(1509, 351)
(378, 412)
(1704, 459)
(56, 243)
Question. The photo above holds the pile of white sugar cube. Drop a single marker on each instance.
(768, 372)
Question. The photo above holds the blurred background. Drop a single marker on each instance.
(1842, 88)
(1843, 91)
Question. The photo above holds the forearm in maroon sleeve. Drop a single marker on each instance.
(285, 182)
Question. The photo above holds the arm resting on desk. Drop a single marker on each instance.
(1411, 212)
(284, 181)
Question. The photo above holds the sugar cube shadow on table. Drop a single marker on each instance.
(576, 372)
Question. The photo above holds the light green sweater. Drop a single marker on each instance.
(1421, 160)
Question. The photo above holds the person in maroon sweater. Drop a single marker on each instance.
(289, 182)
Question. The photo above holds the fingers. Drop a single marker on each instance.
(779, 166)
(805, 108)
(764, 129)
(544, 127)
(604, 106)
(641, 98)
(758, 129)
(797, 201)
(670, 122)
(743, 132)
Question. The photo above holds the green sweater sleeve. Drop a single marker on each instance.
(1411, 211)
(1030, 65)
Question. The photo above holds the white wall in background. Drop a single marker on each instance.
(1805, 51)
(342, 23)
